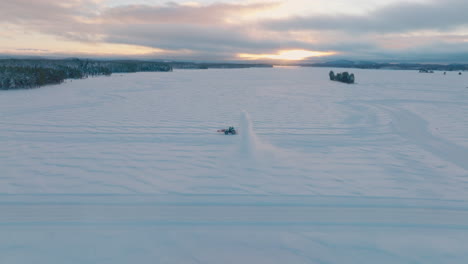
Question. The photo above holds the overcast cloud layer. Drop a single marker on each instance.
(418, 30)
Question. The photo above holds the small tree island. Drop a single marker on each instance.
(343, 77)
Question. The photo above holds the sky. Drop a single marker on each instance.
(242, 30)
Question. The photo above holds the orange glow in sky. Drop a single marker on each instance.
(292, 55)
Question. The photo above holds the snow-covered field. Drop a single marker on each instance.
(130, 169)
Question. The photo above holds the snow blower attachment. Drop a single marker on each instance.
(229, 131)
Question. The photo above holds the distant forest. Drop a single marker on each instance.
(393, 66)
(29, 73)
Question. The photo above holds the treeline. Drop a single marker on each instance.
(15, 77)
(28, 73)
(205, 66)
(394, 66)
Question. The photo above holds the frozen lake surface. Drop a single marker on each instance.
(129, 168)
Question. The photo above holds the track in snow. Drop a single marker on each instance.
(231, 229)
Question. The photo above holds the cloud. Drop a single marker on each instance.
(197, 38)
(45, 11)
(173, 13)
(170, 26)
(398, 17)
(222, 30)
(66, 19)
(201, 29)
(402, 30)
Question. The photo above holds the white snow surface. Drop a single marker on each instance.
(130, 168)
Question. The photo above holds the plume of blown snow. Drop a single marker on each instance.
(251, 145)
